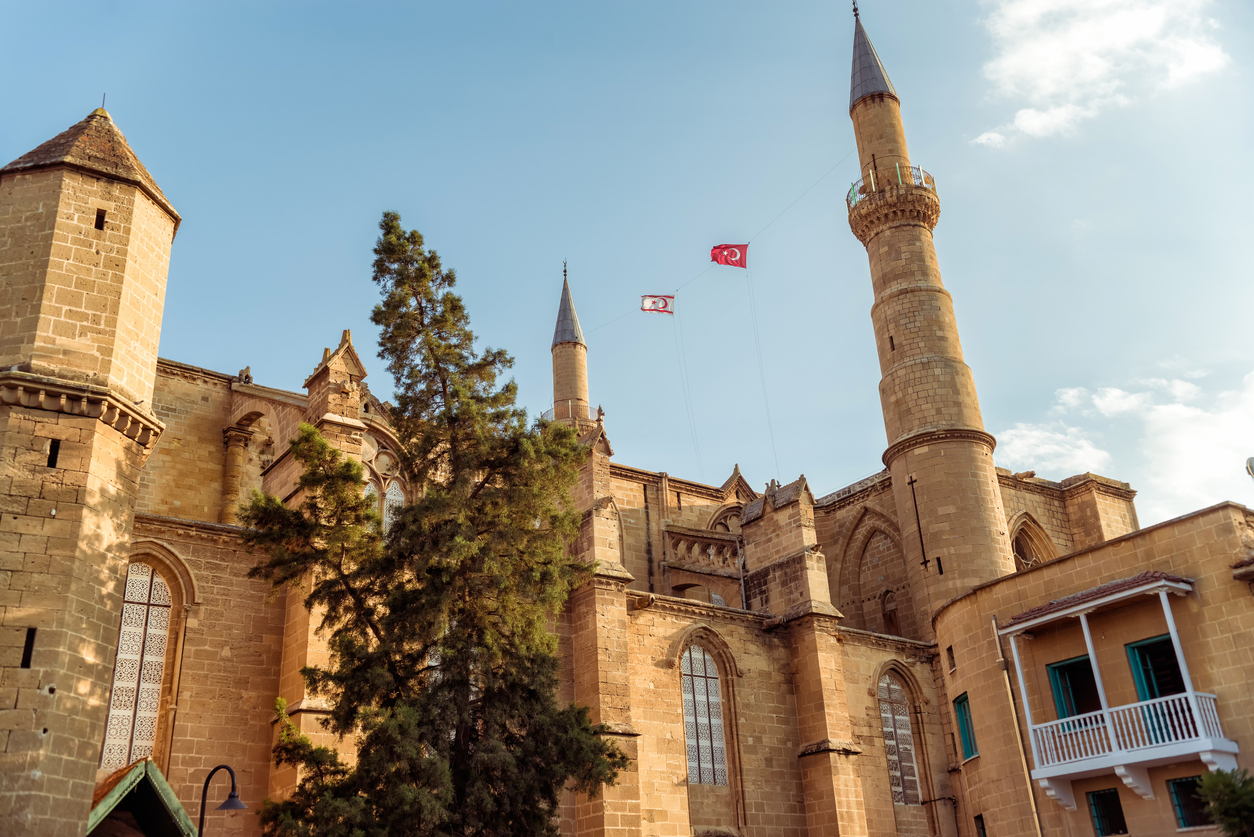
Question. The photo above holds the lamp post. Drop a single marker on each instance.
(232, 801)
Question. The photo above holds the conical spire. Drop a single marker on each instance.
(95, 145)
(567, 330)
(868, 74)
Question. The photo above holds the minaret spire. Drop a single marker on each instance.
(570, 363)
(868, 75)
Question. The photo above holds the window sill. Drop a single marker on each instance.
(1192, 828)
(972, 758)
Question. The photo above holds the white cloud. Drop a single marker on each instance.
(1182, 446)
(1049, 447)
(1066, 61)
(1195, 455)
(1112, 401)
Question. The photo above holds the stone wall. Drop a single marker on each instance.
(1212, 620)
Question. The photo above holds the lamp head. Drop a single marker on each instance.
(232, 803)
(1249, 466)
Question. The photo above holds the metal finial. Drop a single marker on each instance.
(103, 96)
(855, 9)
(563, 270)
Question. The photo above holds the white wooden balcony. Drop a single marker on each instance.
(1125, 740)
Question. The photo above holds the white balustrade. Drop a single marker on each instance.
(1071, 739)
(1138, 726)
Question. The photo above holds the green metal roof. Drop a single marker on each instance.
(145, 793)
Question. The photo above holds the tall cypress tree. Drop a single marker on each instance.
(443, 669)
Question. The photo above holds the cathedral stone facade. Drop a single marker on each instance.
(943, 648)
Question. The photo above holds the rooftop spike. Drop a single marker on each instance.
(568, 330)
(868, 75)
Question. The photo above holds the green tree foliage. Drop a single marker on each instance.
(1229, 798)
(442, 666)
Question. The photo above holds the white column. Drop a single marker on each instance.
(1097, 677)
(1027, 708)
(1165, 599)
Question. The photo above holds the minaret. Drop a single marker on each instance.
(85, 236)
(570, 364)
(939, 455)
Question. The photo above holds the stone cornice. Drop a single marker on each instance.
(852, 493)
(640, 475)
(1122, 491)
(282, 396)
(690, 607)
(37, 392)
(932, 437)
(221, 531)
(894, 206)
(186, 370)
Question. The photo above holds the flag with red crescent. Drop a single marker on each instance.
(658, 304)
(736, 255)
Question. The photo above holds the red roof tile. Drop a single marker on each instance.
(1095, 593)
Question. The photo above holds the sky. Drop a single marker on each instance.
(1092, 158)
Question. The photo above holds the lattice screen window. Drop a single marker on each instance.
(903, 773)
(703, 718)
(140, 667)
(392, 503)
(371, 493)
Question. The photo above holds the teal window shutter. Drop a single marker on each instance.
(962, 709)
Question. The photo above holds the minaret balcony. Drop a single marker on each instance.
(569, 409)
(889, 196)
(878, 181)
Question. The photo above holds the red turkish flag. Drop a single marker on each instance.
(736, 255)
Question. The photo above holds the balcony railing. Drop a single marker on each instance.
(568, 410)
(1127, 729)
(882, 178)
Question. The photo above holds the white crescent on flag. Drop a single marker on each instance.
(663, 304)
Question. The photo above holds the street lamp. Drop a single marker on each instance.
(1249, 466)
(232, 801)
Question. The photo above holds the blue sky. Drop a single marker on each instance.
(1092, 159)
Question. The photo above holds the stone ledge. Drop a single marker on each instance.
(37, 392)
(929, 437)
(828, 745)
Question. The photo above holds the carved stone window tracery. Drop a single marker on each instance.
(131, 730)
(393, 501)
(703, 718)
(903, 771)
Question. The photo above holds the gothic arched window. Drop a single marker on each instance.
(903, 773)
(703, 718)
(135, 700)
(1025, 556)
(392, 503)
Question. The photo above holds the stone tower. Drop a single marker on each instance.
(85, 236)
(570, 364)
(939, 455)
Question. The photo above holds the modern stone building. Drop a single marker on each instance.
(944, 648)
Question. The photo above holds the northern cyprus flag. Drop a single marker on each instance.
(658, 304)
